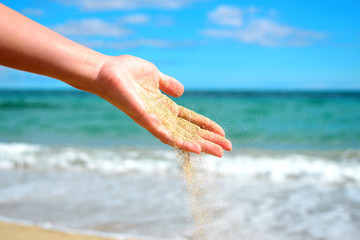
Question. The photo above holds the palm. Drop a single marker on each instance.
(132, 85)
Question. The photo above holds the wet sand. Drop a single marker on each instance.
(11, 231)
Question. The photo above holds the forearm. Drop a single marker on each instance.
(29, 46)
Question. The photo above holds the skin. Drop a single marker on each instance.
(121, 80)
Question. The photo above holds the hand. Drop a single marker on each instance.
(129, 83)
(132, 85)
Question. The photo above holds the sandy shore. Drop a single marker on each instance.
(11, 231)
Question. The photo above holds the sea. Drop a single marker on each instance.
(70, 160)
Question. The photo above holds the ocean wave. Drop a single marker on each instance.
(344, 168)
(32, 156)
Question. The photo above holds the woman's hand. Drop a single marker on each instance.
(129, 83)
(133, 85)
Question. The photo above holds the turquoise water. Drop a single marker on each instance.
(72, 160)
(275, 120)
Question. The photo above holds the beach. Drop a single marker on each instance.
(11, 231)
(70, 160)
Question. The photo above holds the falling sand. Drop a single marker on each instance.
(202, 194)
(199, 189)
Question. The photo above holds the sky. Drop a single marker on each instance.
(212, 44)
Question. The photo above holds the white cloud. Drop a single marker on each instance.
(135, 19)
(91, 27)
(227, 15)
(141, 43)
(158, 43)
(264, 32)
(33, 11)
(255, 30)
(252, 10)
(163, 21)
(93, 5)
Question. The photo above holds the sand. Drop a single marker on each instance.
(201, 193)
(167, 112)
(11, 231)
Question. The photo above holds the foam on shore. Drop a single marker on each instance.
(341, 167)
(12, 229)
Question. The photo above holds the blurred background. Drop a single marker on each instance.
(283, 79)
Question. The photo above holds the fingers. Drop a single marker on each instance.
(201, 121)
(187, 146)
(197, 146)
(170, 85)
(154, 126)
(211, 148)
(216, 138)
(179, 143)
(184, 135)
(210, 142)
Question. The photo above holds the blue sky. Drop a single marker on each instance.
(212, 44)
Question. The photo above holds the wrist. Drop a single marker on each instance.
(88, 71)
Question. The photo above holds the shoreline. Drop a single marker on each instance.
(13, 229)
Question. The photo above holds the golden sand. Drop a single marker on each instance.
(201, 193)
(196, 177)
(167, 111)
(11, 231)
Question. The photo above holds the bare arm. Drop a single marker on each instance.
(131, 84)
(29, 46)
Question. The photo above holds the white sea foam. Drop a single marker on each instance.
(258, 195)
(280, 167)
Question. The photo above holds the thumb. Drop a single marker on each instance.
(170, 85)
